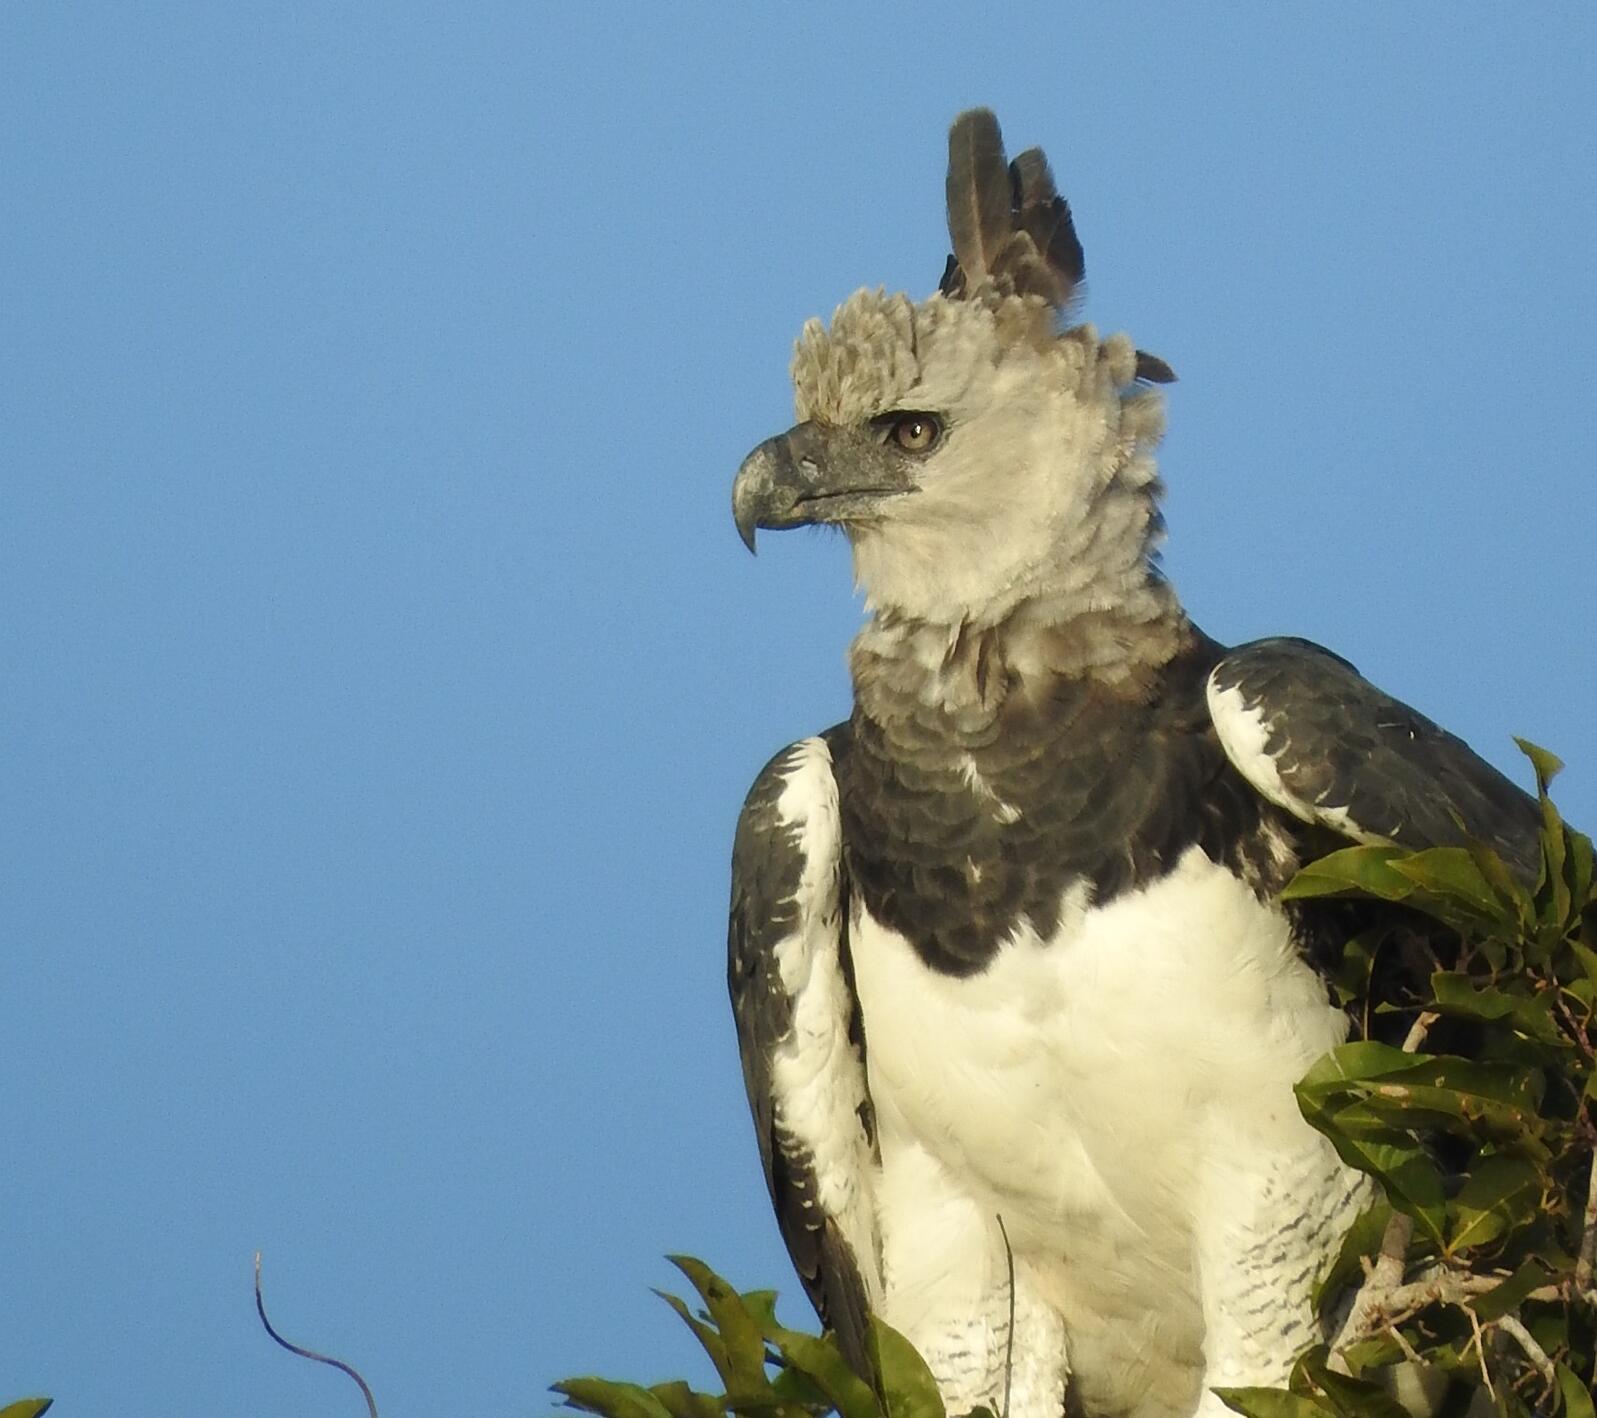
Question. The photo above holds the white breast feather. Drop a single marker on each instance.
(1122, 1096)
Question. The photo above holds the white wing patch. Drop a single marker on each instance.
(818, 1081)
(1244, 734)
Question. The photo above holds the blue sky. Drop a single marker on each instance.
(382, 671)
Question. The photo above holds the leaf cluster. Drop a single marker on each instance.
(1479, 1133)
(766, 1369)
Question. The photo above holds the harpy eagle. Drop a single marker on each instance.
(1019, 1008)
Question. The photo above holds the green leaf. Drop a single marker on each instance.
(605, 1397)
(1584, 954)
(1354, 966)
(1377, 1352)
(1556, 900)
(1349, 1397)
(1359, 1096)
(26, 1408)
(1410, 1179)
(794, 1387)
(1361, 1060)
(1271, 1403)
(1369, 1087)
(1511, 1405)
(681, 1401)
(1553, 890)
(1451, 875)
(1456, 994)
(1359, 870)
(1502, 881)
(740, 1332)
(1406, 1172)
(1499, 1194)
(813, 1368)
(908, 1388)
(705, 1334)
(1579, 867)
(1547, 765)
(761, 1304)
(1577, 1397)
(821, 1361)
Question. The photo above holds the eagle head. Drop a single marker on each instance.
(978, 451)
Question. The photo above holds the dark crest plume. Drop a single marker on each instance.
(1010, 227)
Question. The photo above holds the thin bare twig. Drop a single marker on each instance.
(1480, 1351)
(1409, 1351)
(1511, 1326)
(1419, 1029)
(1009, 1343)
(1437, 1287)
(339, 1364)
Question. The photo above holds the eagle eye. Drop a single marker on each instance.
(915, 433)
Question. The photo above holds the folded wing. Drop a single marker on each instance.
(1316, 738)
(799, 1036)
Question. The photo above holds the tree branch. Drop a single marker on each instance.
(1586, 1262)
(1371, 1309)
(1511, 1326)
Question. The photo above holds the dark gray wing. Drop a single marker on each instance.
(797, 1023)
(1316, 738)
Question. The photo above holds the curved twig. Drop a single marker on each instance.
(1009, 1343)
(339, 1364)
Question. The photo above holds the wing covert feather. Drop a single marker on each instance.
(1316, 738)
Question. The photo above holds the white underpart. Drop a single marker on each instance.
(1244, 733)
(817, 1079)
(1121, 1096)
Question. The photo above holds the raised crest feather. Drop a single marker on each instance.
(979, 213)
(1010, 227)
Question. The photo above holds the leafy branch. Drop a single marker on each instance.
(768, 1370)
(1478, 1264)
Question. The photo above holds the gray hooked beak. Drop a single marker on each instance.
(813, 473)
(766, 488)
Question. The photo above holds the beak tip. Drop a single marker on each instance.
(753, 481)
(745, 516)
